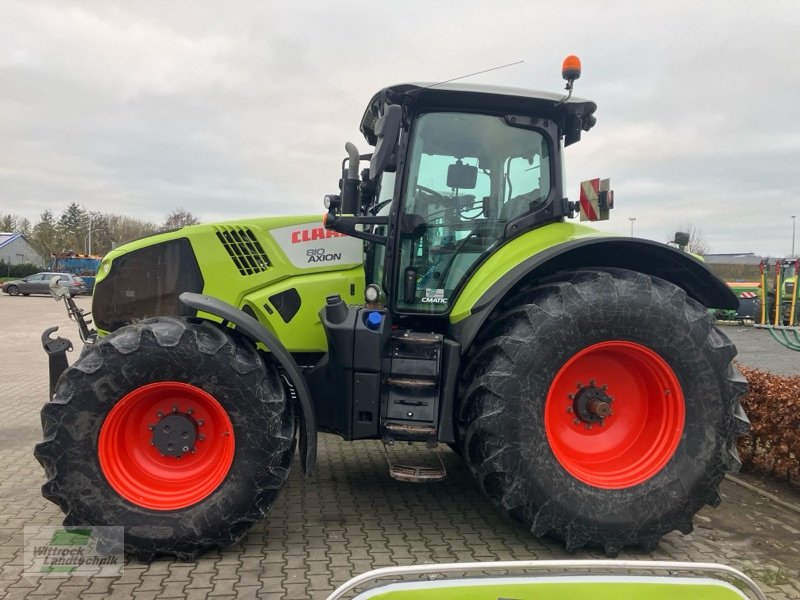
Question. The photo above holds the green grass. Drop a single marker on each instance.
(768, 576)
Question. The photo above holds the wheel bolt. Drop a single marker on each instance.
(577, 421)
(200, 423)
(159, 414)
(174, 408)
(569, 409)
(190, 411)
(185, 449)
(201, 437)
(571, 396)
(588, 426)
(151, 427)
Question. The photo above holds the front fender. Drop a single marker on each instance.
(258, 333)
(566, 246)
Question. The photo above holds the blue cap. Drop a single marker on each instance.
(374, 320)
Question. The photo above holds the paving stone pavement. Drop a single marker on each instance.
(345, 519)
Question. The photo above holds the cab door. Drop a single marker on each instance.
(467, 176)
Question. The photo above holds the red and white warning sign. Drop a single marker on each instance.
(748, 295)
(596, 199)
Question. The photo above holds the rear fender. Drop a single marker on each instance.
(488, 285)
(258, 333)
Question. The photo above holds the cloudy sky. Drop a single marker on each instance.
(233, 109)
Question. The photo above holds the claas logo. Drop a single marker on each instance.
(315, 233)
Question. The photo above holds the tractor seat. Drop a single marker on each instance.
(519, 205)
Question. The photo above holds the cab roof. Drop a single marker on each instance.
(575, 112)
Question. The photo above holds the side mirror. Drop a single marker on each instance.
(56, 290)
(461, 176)
(387, 128)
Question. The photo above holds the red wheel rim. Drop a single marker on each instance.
(133, 462)
(635, 441)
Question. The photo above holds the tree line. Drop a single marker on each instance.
(70, 231)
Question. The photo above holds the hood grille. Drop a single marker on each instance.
(244, 249)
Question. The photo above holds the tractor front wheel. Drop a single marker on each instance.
(175, 429)
(602, 408)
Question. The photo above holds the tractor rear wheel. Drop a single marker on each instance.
(175, 429)
(602, 408)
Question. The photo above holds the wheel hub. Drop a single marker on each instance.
(591, 404)
(623, 447)
(175, 434)
(166, 445)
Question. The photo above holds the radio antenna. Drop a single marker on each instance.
(519, 62)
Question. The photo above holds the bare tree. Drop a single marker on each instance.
(24, 227)
(122, 229)
(697, 238)
(179, 218)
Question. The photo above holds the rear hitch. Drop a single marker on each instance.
(56, 350)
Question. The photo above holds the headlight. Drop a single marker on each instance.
(372, 293)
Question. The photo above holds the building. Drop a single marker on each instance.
(15, 250)
(742, 266)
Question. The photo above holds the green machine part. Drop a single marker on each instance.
(279, 270)
(557, 580)
(513, 253)
(785, 303)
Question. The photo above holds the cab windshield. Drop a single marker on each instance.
(469, 175)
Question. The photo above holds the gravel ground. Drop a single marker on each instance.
(757, 349)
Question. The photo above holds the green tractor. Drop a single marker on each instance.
(780, 308)
(446, 298)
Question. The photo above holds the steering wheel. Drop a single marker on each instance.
(426, 190)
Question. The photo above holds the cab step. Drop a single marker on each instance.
(415, 473)
(412, 383)
(412, 429)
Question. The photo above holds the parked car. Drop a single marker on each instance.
(39, 283)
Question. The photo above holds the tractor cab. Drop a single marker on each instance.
(457, 170)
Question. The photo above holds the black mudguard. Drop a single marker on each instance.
(258, 333)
